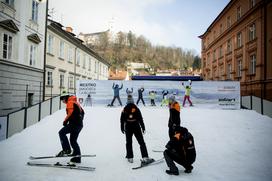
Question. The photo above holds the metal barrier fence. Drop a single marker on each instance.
(19, 120)
(261, 106)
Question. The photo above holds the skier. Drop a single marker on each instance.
(72, 124)
(174, 116)
(164, 97)
(152, 96)
(129, 92)
(180, 149)
(88, 101)
(187, 93)
(116, 91)
(132, 124)
(140, 96)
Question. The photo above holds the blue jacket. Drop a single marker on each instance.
(116, 89)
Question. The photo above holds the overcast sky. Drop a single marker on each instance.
(163, 22)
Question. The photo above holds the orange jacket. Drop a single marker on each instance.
(73, 110)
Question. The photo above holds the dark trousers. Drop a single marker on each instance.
(139, 136)
(140, 98)
(118, 98)
(171, 156)
(74, 132)
(171, 132)
(152, 102)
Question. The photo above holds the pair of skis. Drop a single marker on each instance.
(60, 165)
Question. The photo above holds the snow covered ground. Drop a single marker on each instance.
(231, 145)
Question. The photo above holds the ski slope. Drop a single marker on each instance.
(231, 145)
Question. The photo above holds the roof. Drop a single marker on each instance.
(58, 28)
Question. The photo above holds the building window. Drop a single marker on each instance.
(222, 72)
(10, 2)
(50, 44)
(252, 3)
(229, 72)
(208, 59)
(71, 82)
(229, 46)
(33, 55)
(35, 6)
(253, 64)
(252, 32)
(70, 55)
(7, 46)
(239, 12)
(78, 58)
(90, 64)
(239, 67)
(95, 67)
(220, 51)
(84, 61)
(214, 35)
(49, 78)
(61, 50)
(221, 28)
(239, 40)
(228, 21)
(214, 55)
(61, 80)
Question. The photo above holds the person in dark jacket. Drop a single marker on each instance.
(140, 96)
(116, 91)
(174, 115)
(132, 124)
(180, 149)
(72, 124)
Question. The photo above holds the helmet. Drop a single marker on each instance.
(172, 99)
(64, 95)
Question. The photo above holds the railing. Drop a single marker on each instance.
(19, 120)
(262, 106)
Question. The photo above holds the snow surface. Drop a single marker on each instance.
(231, 145)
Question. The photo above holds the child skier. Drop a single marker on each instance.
(187, 93)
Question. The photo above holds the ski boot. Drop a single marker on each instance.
(130, 160)
(63, 153)
(171, 172)
(146, 161)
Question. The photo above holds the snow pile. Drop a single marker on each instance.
(231, 145)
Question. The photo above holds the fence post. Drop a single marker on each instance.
(7, 126)
(25, 118)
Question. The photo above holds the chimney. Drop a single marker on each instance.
(69, 29)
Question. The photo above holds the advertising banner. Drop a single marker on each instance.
(210, 94)
(3, 128)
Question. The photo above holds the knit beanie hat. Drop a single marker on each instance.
(130, 99)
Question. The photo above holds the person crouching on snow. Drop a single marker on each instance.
(132, 124)
(180, 149)
(72, 124)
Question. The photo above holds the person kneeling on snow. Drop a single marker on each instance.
(132, 123)
(180, 149)
(72, 124)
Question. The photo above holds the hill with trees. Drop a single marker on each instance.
(124, 47)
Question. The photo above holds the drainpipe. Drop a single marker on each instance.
(45, 43)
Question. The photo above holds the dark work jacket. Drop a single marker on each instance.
(174, 117)
(140, 92)
(182, 144)
(131, 118)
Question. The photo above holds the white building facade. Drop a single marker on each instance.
(22, 32)
(69, 60)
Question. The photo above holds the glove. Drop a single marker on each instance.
(123, 131)
(143, 131)
(65, 123)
